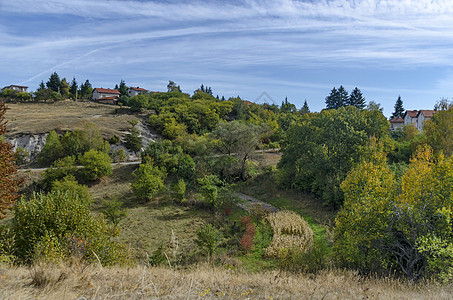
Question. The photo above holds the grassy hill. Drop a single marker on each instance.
(39, 118)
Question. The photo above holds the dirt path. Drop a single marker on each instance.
(249, 201)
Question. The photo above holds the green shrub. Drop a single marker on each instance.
(60, 168)
(210, 188)
(208, 238)
(70, 185)
(148, 181)
(95, 165)
(21, 156)
(52, 150)
(179, 190)
(113, 210)
(60, 224)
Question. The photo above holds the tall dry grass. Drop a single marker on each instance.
(94, 282)
(291, 232)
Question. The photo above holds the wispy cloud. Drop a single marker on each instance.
(235, 41)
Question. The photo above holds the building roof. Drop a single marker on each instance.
(396, 120)
(138, 89)
(20, 86)
(107, 91)
(412, 113)
(108, 98)
(427, 113)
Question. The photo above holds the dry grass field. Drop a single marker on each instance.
(75, 281)
(37, 118)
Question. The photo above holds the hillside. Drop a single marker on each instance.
(61, 116)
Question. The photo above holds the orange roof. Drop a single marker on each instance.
(412, 113)
(396, 120)
(427, 113)
(108, 98)
(107, 91)
(138, 89)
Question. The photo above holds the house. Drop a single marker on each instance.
(410, 117)
(18, 88)
(134, 91)
(422, 116)
(396, 123)
(107, 96)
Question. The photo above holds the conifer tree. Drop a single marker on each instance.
(337, 98)
(399, 109)
(73, 88)
(356, 99)
(305, 109)
(54, 82)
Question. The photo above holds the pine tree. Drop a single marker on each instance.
(356, 99)
(337, 98)
(305, 109)
(399, 110)
(73, 87)
(331, 100)
(54, 82)
(123, 88)
(42, 86)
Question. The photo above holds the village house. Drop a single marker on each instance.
(422, 116)
(106, 96)
(417, 117)
(134, 91)
(396, 123)
(18, 88)
(410, 117)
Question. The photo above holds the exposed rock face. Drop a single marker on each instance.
(35, 142)
(32, 143)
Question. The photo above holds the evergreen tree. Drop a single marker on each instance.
(123, 88)
(332, 99)
(42, 86)
(399, 110)
(356, 99)
(337, 98)
(54, 82)
(86, 89)
(73, 88)
(64, 88)
(305, 109)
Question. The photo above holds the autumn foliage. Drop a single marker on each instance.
(8, 182)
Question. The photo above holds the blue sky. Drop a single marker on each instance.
(294, 49)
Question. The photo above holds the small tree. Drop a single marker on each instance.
(179, 189)
(148, 181)
(208, 238)
(52, 150)
(133, 140)
(113, 211)
(95, 165)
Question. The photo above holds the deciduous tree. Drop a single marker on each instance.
(9, 184)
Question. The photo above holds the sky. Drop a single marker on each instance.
(263, 51)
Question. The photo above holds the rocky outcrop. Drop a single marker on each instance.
(33, 143)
